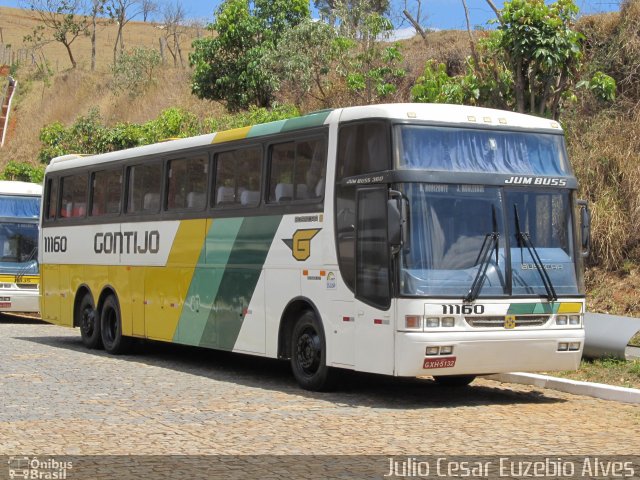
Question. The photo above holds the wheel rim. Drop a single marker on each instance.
(110, 325)
(88, 321)
(309, 351)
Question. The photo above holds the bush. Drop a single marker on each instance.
(133, 72)
(88, 134)
(22, 171)
(252, 116)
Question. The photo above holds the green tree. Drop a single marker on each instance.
(228, 66)
(543, 52)
(64, 19)
(303, 59)
(370, 66)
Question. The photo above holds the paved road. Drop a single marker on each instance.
(59, 398)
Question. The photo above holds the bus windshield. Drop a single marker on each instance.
(18, 246)
(450, 223)
(19, 233)
(476, 150)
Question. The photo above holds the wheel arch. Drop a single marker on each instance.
(106, 291)
(82, 290)
(290, 314)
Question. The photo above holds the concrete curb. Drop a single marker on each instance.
(597, 390)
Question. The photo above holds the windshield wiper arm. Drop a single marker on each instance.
(491, 242)
(524, 239)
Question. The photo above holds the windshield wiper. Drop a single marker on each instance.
(491, 242)
(524, 239)
(23, 271)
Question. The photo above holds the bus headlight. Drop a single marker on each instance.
(433, 322)
(447, 350)
(574, 319)
(432, 350)
(448, 322)
(561, 320)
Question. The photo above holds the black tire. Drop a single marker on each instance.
(87, 318)
(111, 327)
(309, 354)
(454, 380)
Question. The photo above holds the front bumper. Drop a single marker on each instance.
(488, 352)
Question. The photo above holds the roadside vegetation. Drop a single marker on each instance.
(610, 371)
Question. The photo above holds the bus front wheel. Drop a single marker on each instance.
(89, 322)
(309, 354)
(454, 380)
(111, 327)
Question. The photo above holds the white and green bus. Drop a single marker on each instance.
(19, 217)
(405, 239)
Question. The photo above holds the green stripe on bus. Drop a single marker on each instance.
(532, 308)
(206, 280)
(311, 120)
(266, 129)
(239, 280)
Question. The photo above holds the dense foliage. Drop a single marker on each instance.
(229, 66)
(89, 135)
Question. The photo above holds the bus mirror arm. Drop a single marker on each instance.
(398, 221)
(585, 227)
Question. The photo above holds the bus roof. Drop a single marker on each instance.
(458, 115)
(11, 187)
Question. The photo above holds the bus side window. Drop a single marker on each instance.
(51, 199)
(73, 196)
(238, 177)
(143, 195)
(106, 189)
(297, 170)
(187, 183)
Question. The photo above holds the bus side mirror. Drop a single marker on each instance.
(394, 224)
(585, 227)
(398, 221)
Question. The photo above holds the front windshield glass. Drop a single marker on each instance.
(449, 223)
(477, 150)
(18, 247)
(546, 217)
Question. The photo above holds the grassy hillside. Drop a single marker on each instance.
(17, 23)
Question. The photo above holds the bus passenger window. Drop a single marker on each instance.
(51, 199)
(143, 194)
(106, 192)
(74, 196)
(238, 177)
(297, 171)
(187, 183)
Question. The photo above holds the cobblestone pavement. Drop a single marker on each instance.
(60, 399)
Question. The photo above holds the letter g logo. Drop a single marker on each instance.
(300, 243)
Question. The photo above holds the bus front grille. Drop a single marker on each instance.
(501, 321)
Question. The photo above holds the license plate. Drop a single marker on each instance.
(442, 362)
(5, 304)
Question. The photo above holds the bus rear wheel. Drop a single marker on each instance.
(111, 327)
(309, 354)
(454, 380)
(89, 322)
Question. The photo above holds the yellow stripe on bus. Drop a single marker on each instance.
(570, 307)
(229, 135)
